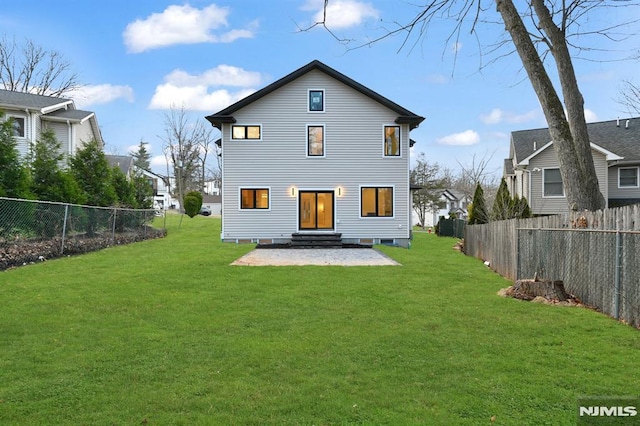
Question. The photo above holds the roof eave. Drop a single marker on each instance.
(217, 120)
(412, 120)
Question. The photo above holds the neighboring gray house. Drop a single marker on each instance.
(532, 170)
(316, 152)
(32, 114)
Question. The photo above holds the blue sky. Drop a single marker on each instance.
(138, 58)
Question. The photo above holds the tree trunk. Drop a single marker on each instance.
(571, 141)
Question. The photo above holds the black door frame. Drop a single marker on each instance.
(333, 209)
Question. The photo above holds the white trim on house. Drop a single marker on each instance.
(610, 156)
(637, 185)
(544, 170)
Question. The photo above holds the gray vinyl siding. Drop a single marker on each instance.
(61, 131)
(554, 205)
(353, 158)
(620, 193)
(83, 135)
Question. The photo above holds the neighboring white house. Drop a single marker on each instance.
(314, 152)
(451, 201)
(162, 199)
(32, 114)
(532, 169)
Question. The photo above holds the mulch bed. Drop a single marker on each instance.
(25, 252)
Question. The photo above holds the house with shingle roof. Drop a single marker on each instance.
(532, 169)
(316, 154)
(33, 114)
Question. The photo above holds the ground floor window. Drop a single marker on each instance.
(254, 198)
(376, 201)
(628, 177)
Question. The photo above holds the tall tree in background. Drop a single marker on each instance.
(182, 145)
(49, 181)
(478, 210)
(428, 177)
(141, 157)
(551, 28)
(14, 180)
(27, 67)
(92, 172)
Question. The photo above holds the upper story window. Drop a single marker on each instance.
(376, 201)
(391, 141)
(552, 186)
(18, 124)
(253, 132)
(315, 141)
(316, 100)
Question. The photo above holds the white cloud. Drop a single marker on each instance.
(182, 25)
(100, 94)
(497, 115)
(222, 75)
(590, 116)
(158, 164)
(341, 13)
(466, 138)
(207, 91)
(457, 46)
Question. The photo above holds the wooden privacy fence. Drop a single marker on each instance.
(594, 253)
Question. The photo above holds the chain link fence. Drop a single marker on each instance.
(32, 231)
(599, 267)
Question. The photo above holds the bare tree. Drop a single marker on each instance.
(182, 141)
(552, 27)
(30, 68)
(629, 96)
(431, 180)
(474, 173)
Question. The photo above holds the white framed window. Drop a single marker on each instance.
(391, 143)
(247, 132)
(552, 183)
(376, 201)
(315, 100)
(18, 123)
(255, 199)
(628, 177)
(315, 140)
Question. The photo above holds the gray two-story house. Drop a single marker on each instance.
(33, 114)
(316, 152)
(532, 170)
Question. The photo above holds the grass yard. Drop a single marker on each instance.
(165, 332)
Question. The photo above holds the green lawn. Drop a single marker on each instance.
(165, 332)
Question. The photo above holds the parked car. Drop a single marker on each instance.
(205, 211)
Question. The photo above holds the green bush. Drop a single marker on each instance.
(192, 203)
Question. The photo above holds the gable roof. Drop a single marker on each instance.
(226, 115)
(123, 162)
(44, 104)
(615, 138)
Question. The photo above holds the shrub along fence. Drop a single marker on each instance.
(451, 228)
(593, 253)
(33, 231)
